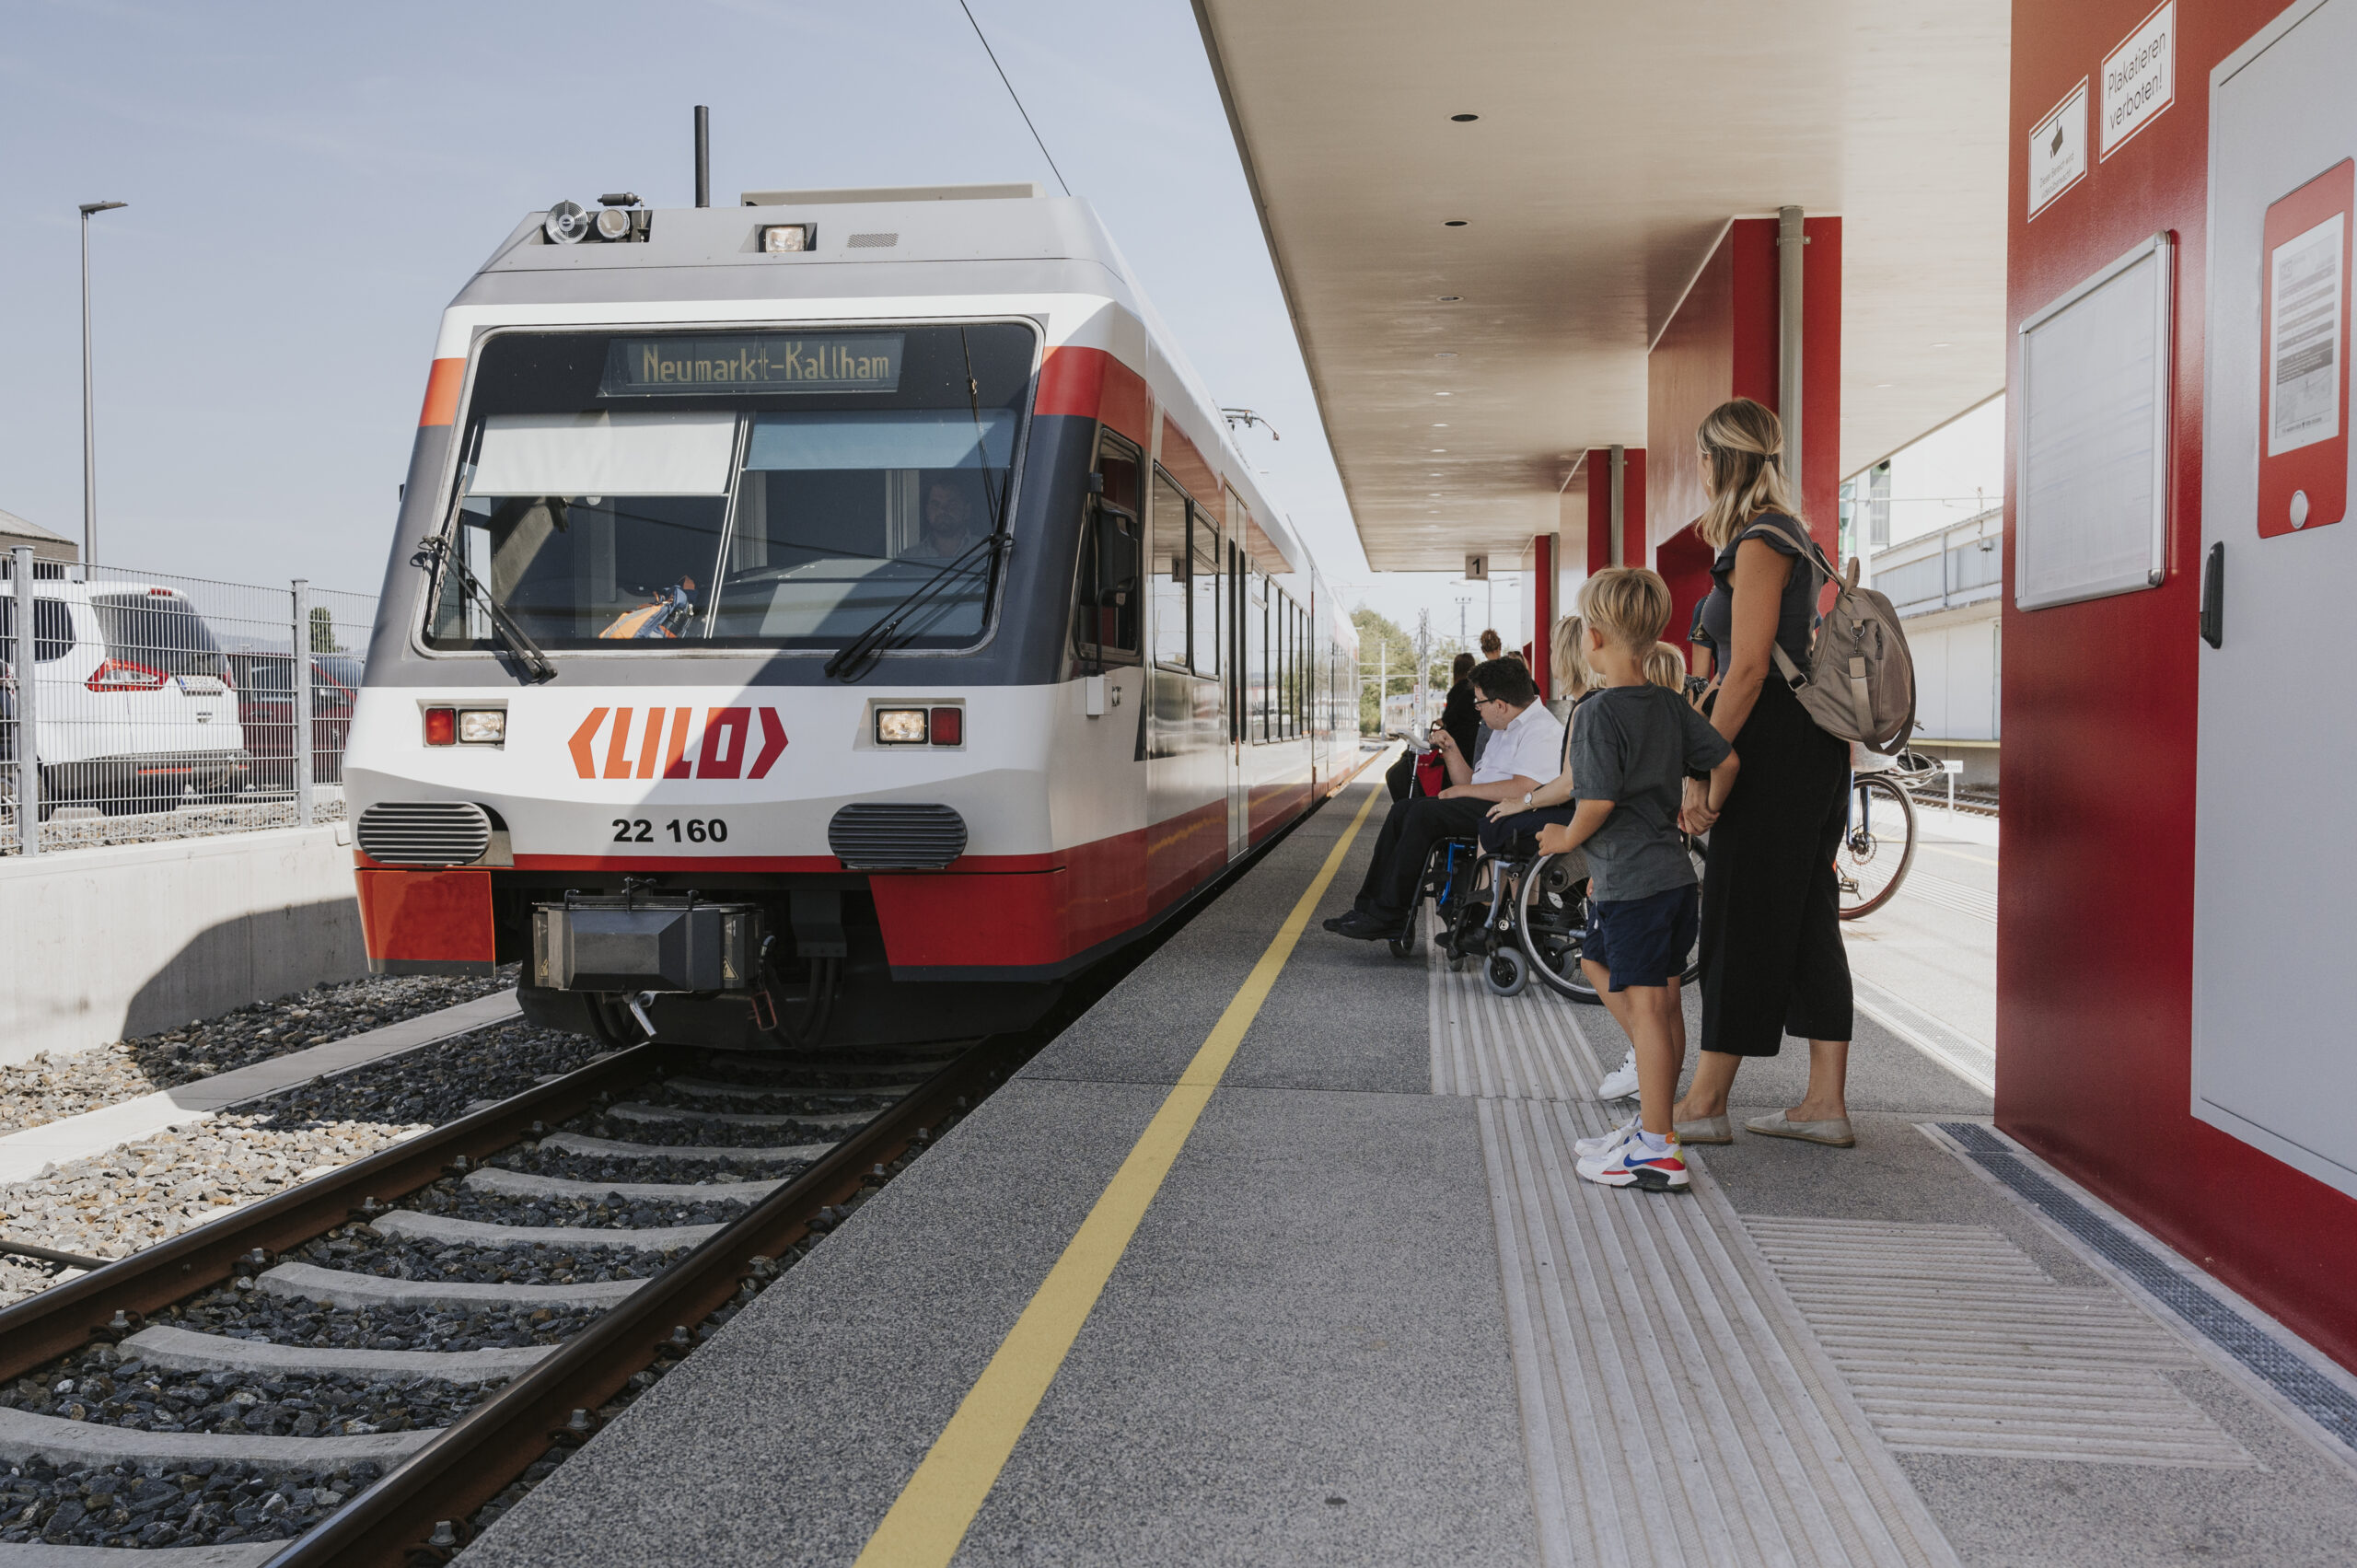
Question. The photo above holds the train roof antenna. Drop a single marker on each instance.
(1016, 95)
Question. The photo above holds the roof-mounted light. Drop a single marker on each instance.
(786, 239)
(566, 224)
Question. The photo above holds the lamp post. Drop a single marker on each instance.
(90, 443)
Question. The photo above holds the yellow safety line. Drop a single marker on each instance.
(933, 1512)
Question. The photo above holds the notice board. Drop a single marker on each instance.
(2091, 510)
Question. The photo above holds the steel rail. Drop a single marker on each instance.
(474, 1458)
(67, 1316)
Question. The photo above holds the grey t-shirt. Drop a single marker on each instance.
(1633, 745)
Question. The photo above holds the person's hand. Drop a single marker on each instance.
(1455, 792)
(1504, 809)
(1443, 740)
(1555, 838)
(1694, 815)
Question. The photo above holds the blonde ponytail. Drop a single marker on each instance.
(1743, 443)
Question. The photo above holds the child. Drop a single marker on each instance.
(1632, 745)
(1665, 666)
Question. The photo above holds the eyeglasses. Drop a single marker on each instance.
(1485, 701)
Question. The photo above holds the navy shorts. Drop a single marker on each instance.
(1645, 941)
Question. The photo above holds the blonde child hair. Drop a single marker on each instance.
(1570, 650)
(1627, 605)
(1665, 666)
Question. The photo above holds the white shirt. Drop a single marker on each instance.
(1531, 747)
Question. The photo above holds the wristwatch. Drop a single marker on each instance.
(1525, 799)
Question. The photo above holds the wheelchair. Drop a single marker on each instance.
(1551, 921)
(1477, 896)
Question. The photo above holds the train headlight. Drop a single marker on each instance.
(613, 224)
(482, 727)
(566, 224)
(901, 726)
(780, 238)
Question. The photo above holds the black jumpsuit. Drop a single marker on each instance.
(1772, 959)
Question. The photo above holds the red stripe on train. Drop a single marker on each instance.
(1089, 383)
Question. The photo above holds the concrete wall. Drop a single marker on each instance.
(98, 945)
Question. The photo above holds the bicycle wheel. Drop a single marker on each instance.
(1876, 848)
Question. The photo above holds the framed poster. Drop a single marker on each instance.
(2091, 511)
(2303, 317)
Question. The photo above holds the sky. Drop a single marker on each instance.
(308, 186)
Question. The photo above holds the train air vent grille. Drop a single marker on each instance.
(880, 835)
(424, 832)
(871, 241)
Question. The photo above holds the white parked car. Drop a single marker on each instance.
(134, 709)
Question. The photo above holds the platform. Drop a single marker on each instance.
(1369, 1316)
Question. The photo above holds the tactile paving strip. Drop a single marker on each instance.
(1955, 1341)
(1676, 1410)
(2330, 1406)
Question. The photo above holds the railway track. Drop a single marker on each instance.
(363, 1368)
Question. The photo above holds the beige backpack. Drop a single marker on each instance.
(1861, 680)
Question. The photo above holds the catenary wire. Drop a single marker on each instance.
(1016, 95)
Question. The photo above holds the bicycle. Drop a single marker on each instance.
(1879, 845)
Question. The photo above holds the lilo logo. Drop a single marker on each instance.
(659, 746)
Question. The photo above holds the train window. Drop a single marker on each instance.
(1202, 609)
(1106, 600)
(749, 488)
(1256, 658)
(1170, 572)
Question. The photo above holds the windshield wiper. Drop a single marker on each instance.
(851, 660)
(436, 554)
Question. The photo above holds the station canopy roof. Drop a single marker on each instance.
(1613, 142)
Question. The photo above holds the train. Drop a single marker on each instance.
(840, 619)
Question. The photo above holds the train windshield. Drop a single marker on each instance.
(751, 489)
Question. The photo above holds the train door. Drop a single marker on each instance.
(2273, 989)
(1238, 600)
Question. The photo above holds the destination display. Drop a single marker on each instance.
(765, 361)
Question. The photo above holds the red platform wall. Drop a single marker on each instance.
(1722, 342)
(2094, 946)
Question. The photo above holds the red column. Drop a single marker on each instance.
(1539, 599)
(1722, 342)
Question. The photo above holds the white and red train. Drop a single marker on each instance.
(841, 616)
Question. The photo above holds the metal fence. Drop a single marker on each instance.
(144, 705)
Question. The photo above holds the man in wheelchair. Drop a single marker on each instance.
(1525, 748)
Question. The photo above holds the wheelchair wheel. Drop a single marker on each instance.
(1553, 922)
(1506, 972)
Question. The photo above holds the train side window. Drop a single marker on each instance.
(1204, 597)
(1107, 599)
(1168, 525)
(1256, 658)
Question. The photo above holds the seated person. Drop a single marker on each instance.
(948, 531)
(1525, 743)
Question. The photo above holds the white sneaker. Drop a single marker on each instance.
(1621, 1082)
(1605, 1142)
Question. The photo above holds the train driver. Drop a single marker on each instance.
(948, 530)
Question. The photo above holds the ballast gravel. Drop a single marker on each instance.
(112, 1204)
(154, 1505)
(709, 1132)
(102, 1386)
(51, 1086)
(465, 1204)
(451, 1264)
(537, 1161)
(239, 1312)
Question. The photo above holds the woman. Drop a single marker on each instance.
(1772, 960)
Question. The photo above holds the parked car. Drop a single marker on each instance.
(266, 712)
(134, 704)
